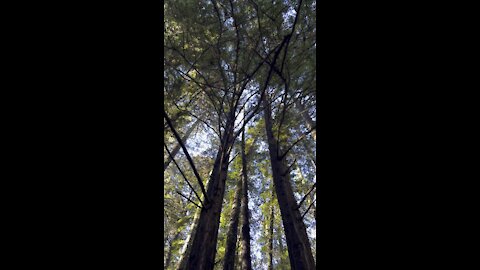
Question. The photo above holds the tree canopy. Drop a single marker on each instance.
(240, 134)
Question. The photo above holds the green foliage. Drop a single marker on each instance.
(201, 68)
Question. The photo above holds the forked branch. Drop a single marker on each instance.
(184, 177)
(175, 133)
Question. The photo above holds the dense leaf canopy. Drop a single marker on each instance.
(223, 59)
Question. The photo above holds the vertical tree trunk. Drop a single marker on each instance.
(280, 248)
(229, 260)
(245, 258)
(204, 242)
(177, 147)
(299, 250)
(270, 248)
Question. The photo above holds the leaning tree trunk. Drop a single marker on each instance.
(203, 247)
(188, 242)
(229, 259)
(245, 258)
(298, 244)
(177, 147)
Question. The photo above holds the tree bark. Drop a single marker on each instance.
(229, 259)
(188, 242)
(177, 147)
(245, 258)
(204, 242)
(298, 244)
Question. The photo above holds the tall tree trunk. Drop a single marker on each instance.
(299, 250)
(280, 248)
(310, 123)
(177, 147)
(270, 248)
(175, 237)
(204, 242)
(229, 259)
(245, 258)
(187, 247)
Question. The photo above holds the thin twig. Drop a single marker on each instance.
(308, 208)
(304, 197)
(189, 199)
(301, 138)
(233, 158)
(265, 86)
(289, 168)
(198, 118)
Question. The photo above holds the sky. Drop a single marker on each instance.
(200, 142)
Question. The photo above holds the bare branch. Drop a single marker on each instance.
(299, 139)
(192, 66)
(289, 168)
(186, 154)
(248, 78)
(304, 197)
(289, 36)
(188, 199)
(267, 81)
(308, 209)
(198, 118)
(233, 158)
(181, 172)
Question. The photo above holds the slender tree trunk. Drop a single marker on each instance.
(280, 248)
(170, 249)
(177, 147)
(204, 242)
(188, 242)
(175, 237)
(270, 249)
(187, 247)
(299, 250)
(229, 259)
(310, 123)
(245, 258)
